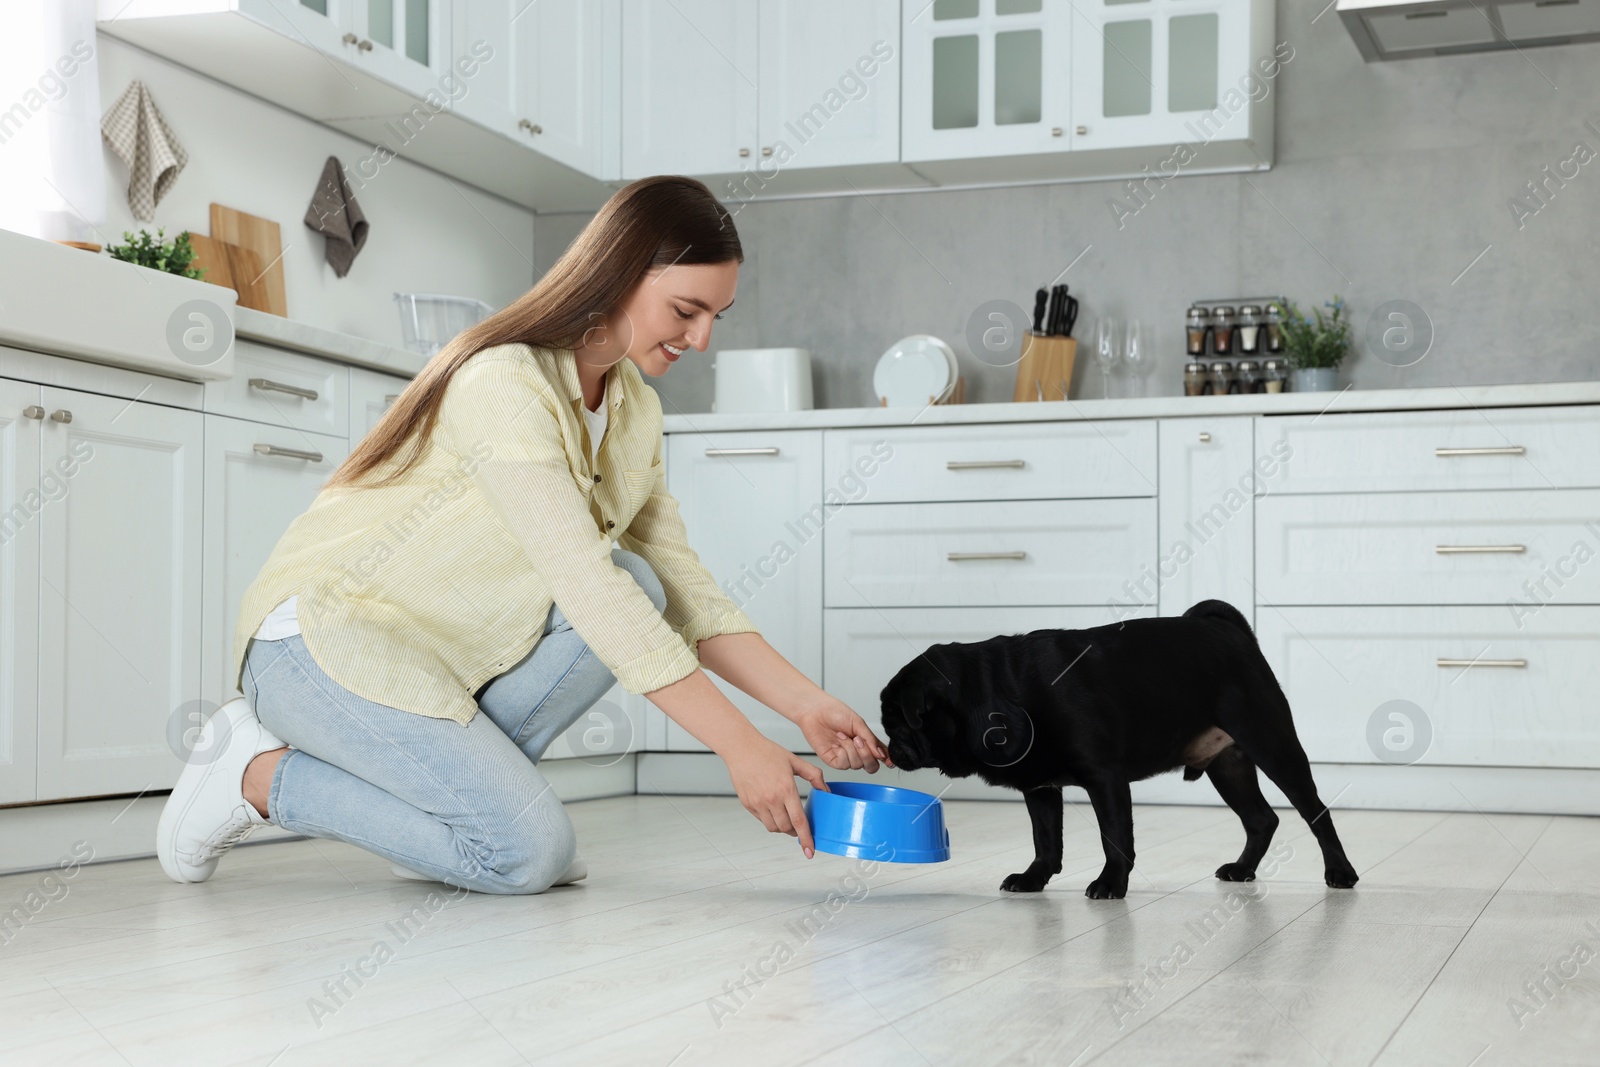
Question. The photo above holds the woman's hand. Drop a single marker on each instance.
(841, 738)
(763, 776)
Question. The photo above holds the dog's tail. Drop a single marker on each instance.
(1220, 609)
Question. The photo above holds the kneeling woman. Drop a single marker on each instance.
(491, 558)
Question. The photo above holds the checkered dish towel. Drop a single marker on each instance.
(141, 138)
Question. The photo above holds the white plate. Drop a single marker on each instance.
(913, 370)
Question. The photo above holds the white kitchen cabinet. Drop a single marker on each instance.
(119, 593)
(829, 82)
(403, 42)
(371, 394)
(282, 388)
(22, 498)
(689, 86)
(986, 78)
(752, 505)
(1206, 511)
(258, 479)
(550, 77)
(1160, 72)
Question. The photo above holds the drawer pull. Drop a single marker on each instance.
(741, 451)
(391, 398)
(1450, 550)
(1443, 662)
(267, 385)
(1507, 450)
(958, 557)
(292, 453)
(983, 464)
(33, 411)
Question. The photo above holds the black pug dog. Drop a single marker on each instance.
(1101, 707)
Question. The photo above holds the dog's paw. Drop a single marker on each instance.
(1341, 877)
(1024, 882)
(1108, 886)
(1234, 872)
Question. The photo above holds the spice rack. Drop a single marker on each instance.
(1234, 345)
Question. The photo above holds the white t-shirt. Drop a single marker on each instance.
(284, 620)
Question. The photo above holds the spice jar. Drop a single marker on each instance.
(1196, 324)
(1249, 329)
(1194, 378)
(1222, 330)
(1273, 374)
(1221, 378)
(1274, 328)
(1249, 375)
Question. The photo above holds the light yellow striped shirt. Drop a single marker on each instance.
(417, 593)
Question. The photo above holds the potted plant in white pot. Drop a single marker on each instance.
(1315, 347)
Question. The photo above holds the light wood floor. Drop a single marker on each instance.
(1423, 963)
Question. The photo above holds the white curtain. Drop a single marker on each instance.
(52, 168)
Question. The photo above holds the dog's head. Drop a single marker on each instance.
(940, 712)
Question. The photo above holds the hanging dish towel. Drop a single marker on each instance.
(142, 139)
(335, 214)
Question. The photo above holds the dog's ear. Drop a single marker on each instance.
(1000, 732)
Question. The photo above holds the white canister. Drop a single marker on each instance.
(763, 379)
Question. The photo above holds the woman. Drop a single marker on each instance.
(488, 561)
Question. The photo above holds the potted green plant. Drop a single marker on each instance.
(173, 256)
(1314, 347)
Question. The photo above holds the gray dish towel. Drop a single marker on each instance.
(137, 133)
(335, 214)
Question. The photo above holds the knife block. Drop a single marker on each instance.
(1045, 370)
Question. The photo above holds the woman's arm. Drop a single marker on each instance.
(762, 773)
(837, 734)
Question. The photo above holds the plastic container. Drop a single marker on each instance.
(429, 320)
(878, 822)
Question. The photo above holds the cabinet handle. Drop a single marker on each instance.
(531, 127)
(1205, 438)
(350, 38)
(390, 398)
(1082, 130)
(1507, 450)
(61, 416)
(983, 464)
(1443, 662)
(766, 150)
(959, 557)
(743, 152)
(741, 451)
(1055, 131)
(33, 411)
(267, 385)
(292, 453)
(1450, 550)
(365, 45)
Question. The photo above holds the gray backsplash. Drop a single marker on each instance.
(1390, 179)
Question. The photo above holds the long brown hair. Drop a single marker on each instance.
(653, 222)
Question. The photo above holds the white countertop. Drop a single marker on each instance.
(1443, 397)
(276, 330)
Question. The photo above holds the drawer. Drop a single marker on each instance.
(1020, 462)
(1045, 552)
(863, 648)
(1365, 681)
(1429, 548)
(284, 389)
(1397, 452)
(371, 395)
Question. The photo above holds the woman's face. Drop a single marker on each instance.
(671, 310)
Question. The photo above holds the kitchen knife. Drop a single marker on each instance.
(1039, 299)
(1055, 310)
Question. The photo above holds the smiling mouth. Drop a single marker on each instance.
(671, 353)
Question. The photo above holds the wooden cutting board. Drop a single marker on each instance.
(212, 256)
(262, 237)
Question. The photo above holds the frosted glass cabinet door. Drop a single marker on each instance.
(985, 78)
(1160, 72)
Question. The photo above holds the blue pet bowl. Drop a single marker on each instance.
(878, 822)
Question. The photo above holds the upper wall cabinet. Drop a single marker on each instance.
(404, 42)
(730, 86)
(986, 78)
(544, 75)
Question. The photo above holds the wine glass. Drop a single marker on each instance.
(1136, 357)
(1107, 352)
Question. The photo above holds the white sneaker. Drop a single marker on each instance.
(576, 871)
(207, 813)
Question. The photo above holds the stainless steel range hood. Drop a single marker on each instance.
(1403, 29)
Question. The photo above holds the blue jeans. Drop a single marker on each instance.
(466, 806)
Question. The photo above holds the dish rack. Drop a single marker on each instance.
(956, 394)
